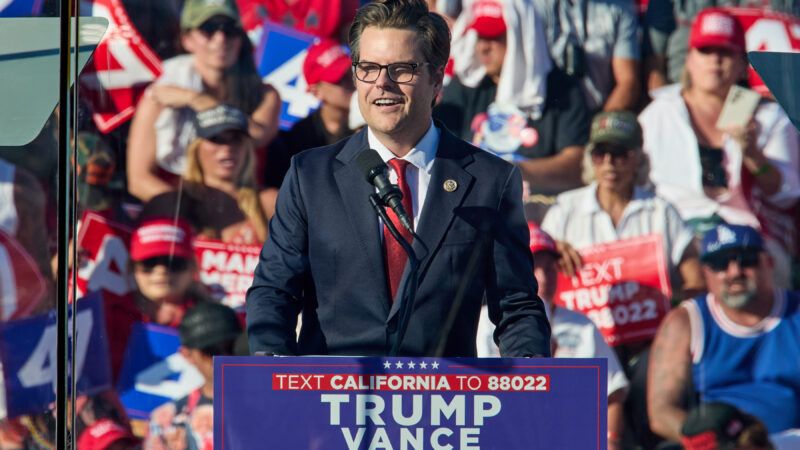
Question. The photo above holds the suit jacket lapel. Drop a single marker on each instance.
(437, 213)
(355, 191)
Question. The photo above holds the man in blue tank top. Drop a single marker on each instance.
(739, 344)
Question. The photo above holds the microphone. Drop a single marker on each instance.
(376, 172)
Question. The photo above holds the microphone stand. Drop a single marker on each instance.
(409, 288)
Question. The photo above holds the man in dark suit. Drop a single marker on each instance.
(329, 256)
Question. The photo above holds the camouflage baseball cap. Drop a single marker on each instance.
(195, 12)
(617, 128)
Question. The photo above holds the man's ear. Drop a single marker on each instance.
(438, 79)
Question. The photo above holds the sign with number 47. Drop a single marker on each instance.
(29, 357)
(279, 59)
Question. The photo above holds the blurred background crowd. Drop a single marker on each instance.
(632, 122)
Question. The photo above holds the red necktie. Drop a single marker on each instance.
(396, 257)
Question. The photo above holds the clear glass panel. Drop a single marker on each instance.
(29, 68)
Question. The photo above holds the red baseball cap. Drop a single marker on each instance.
(488, 19)
(327, 61)
(715, 27)
(541, 241)
(161, 237)
(101, 434)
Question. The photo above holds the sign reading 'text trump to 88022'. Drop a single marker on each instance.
(409, 403)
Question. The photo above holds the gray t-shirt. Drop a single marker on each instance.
(605, 29)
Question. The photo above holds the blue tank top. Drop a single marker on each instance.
(755, 369)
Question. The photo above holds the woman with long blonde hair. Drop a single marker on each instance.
(218, 193)
(225, 160)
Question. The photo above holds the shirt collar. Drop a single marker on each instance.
(421, 156)
(591, 205)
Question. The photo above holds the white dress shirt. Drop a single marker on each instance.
(418, 171)
(577, 218)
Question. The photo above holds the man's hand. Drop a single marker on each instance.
(570, 260)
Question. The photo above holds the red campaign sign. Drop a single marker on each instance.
(226, 269)
(103, 256)
(767, 31)
(622, 286)
(21, 283)
(122, 67)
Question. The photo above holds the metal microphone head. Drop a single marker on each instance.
(370, 164)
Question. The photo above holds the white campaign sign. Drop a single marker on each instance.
(153, 380)
(301, 103)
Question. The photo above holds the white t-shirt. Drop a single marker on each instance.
(578, 219)
(576, 337)
(175, 127)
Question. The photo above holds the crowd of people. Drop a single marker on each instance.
(610, 110)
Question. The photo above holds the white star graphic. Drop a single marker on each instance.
(435, 365)
(399, 365)
(387, 365)
(411, 365)
(423, 365)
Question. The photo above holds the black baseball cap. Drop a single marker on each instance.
(221, 118)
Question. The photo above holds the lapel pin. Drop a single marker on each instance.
(450, 185)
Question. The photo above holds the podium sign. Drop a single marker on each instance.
(409, 403)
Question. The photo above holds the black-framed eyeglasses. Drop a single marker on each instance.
(745, 259)
(173, 264)
(618, 154)
(229, 28)
(369, 72)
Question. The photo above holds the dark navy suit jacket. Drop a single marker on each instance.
(324, 257)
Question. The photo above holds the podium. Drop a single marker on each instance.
(409, 403)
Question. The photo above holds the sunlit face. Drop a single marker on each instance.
(614, 167)
(491, 53)
(714, 69)
(397, 111)
(735, 279)
(161, 279)
(222, 157)
(216, 43)
(545, 269)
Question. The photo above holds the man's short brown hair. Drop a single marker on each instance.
(405, 14)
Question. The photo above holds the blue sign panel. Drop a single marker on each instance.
(29, 357)
(279, 59)
(409, 403)
(20, 8)
(154, 371)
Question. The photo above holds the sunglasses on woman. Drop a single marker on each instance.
(228, 27)
(618, 154)
(745, 259)
(173, 264)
